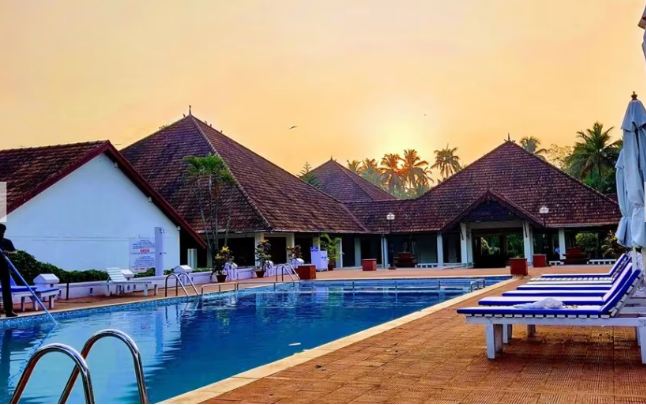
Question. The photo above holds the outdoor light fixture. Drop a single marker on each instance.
(543, 211)
(390, 217)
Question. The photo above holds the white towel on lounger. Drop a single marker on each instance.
(545, 303)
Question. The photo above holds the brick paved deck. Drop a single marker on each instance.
(440, 358)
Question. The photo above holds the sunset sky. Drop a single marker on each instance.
(358, 78)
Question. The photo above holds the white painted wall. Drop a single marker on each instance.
(86, 219)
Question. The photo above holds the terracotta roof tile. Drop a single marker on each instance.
(264, 196)
(508, 174)
(345, 185)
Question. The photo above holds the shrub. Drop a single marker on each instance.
(29, 267)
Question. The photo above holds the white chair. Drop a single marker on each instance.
(117, 279)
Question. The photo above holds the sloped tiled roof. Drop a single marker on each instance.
(345, 185)
(263, 196)
(30, 171)
(509, 174)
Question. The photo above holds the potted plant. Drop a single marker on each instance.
(219, 263)
(518, 266)
(295, 256)
(263, 257)
(331, 245)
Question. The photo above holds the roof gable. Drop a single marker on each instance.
(345, 185)
(264, 196)
(30, 171)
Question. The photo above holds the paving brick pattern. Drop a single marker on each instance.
(441, 359)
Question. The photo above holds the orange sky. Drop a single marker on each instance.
(359, 78)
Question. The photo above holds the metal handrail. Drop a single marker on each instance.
(81, 366)
(136, 360)
(178, 283)
(190, 281)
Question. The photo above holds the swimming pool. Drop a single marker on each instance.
(188, 343)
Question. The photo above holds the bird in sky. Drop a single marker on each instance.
(293, 127)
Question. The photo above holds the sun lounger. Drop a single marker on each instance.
(498, 320)
(21, 294)
(566, 300)
(614, 270)
(117, 279)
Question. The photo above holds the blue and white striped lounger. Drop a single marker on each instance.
(578, 285)
(613, 312)
(619, 265)
(566, 300)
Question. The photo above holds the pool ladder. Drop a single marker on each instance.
(179, 283)
(81, 366)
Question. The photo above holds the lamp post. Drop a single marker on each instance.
(543, 211)
(390, 217)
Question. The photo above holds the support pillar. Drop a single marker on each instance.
(465, 243)
(528, 242)
(440, 250)
(339, 248)
(291, 240)
(357, 252)
(384, 252)
(562, 243)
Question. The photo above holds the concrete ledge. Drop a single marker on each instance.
(220, 387)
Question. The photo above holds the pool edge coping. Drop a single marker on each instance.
(247, 377)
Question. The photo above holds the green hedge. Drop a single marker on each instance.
(29, 267)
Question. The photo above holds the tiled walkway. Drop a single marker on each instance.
(441, 358)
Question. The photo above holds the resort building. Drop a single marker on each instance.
(80, 206)
(507, 203)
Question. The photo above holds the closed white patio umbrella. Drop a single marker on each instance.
(631, 173)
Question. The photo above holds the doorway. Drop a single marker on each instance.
(494, 248)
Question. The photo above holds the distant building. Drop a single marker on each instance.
(79, 206)
(345, 185)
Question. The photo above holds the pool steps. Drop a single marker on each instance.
(81, 366)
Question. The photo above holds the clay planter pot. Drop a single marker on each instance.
(260, 273)
(221, 278)
(331, 265)
(518, 267)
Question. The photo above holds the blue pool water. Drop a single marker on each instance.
(186, 344)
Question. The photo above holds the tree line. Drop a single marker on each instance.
(591, 159)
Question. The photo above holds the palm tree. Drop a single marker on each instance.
(532, 145)
(447, 161)
(355, 166)
(594, 154)
(414, 170)
(207, 175)
(370, 171)
(391, 173)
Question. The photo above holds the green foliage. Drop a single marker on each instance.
(533, 145)
(447, 161)
(308, 177)
(610, 246)
(331, 245)
(593, 158)
(587, 241)
(29, 267)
